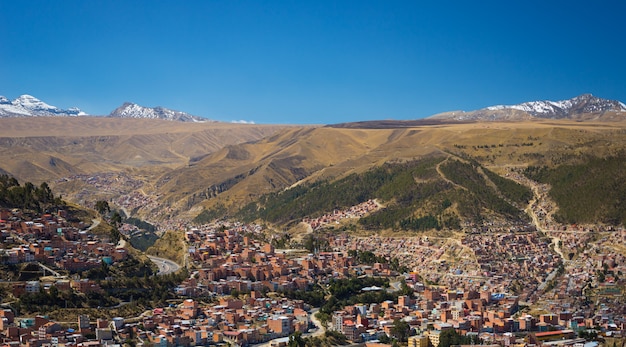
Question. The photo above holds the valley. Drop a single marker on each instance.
(461, 214)
(312, 174)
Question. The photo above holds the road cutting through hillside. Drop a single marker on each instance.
(165, 266)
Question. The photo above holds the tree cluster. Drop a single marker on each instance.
(417, 198)
(27, 196)
(330, 338)
(53, 299)
(146, 290)
(450, 337)
(479, 194)
(207, 216)
(369, 258)
(589, 192)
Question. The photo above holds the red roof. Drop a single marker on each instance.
(553, 333)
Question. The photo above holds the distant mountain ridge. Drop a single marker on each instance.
(131, 110)
(585, 103)
(29, 106)
(580, 108)
(585, 107)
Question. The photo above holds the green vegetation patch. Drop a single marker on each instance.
(207, 216)
(510, 189)
(415, 195)
(591, 192)
(481, 194)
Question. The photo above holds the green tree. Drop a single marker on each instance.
(54, 292)
(296, 340)
(116, 219)
(400, 330)
(102, 207)
(450, 337)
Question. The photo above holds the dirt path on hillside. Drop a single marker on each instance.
(438, 168)
(540, 205)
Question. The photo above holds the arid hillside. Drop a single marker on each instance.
(159, 169)
(238, 174)
(66, 151)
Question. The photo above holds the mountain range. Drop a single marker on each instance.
(580, 108)
(30, 106)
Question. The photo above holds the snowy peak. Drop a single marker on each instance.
(32, 103)
(585, 103)
(30, 106)
(130, 110)
(582, 107)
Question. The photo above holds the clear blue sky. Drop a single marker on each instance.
(310, 61)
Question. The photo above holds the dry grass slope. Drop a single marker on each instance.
(190, 166)
(296, 155)
(47, 148)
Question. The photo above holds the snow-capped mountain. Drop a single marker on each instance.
(130, 110)
(583, 107)
(585, 103)
(30, 106)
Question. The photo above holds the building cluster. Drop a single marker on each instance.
(424, 254)
(480, 315)
(525, 258)
(473, 285)
(595, 273)
(496, 259)
(336, 216)
(50, 241)
(227, 260)
(40, 331)
(251, 320)
(97, 184)
(135, 200)
(523, 264)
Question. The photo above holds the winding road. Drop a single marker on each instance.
(166, 266)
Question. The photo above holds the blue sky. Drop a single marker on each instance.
(310, 61)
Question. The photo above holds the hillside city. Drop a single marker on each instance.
(288, 173)
(498, 284)
(433, 271)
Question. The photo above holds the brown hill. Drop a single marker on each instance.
(58, 148)
(238, 174)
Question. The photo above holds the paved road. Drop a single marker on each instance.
(320, 328)
(166, 266)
